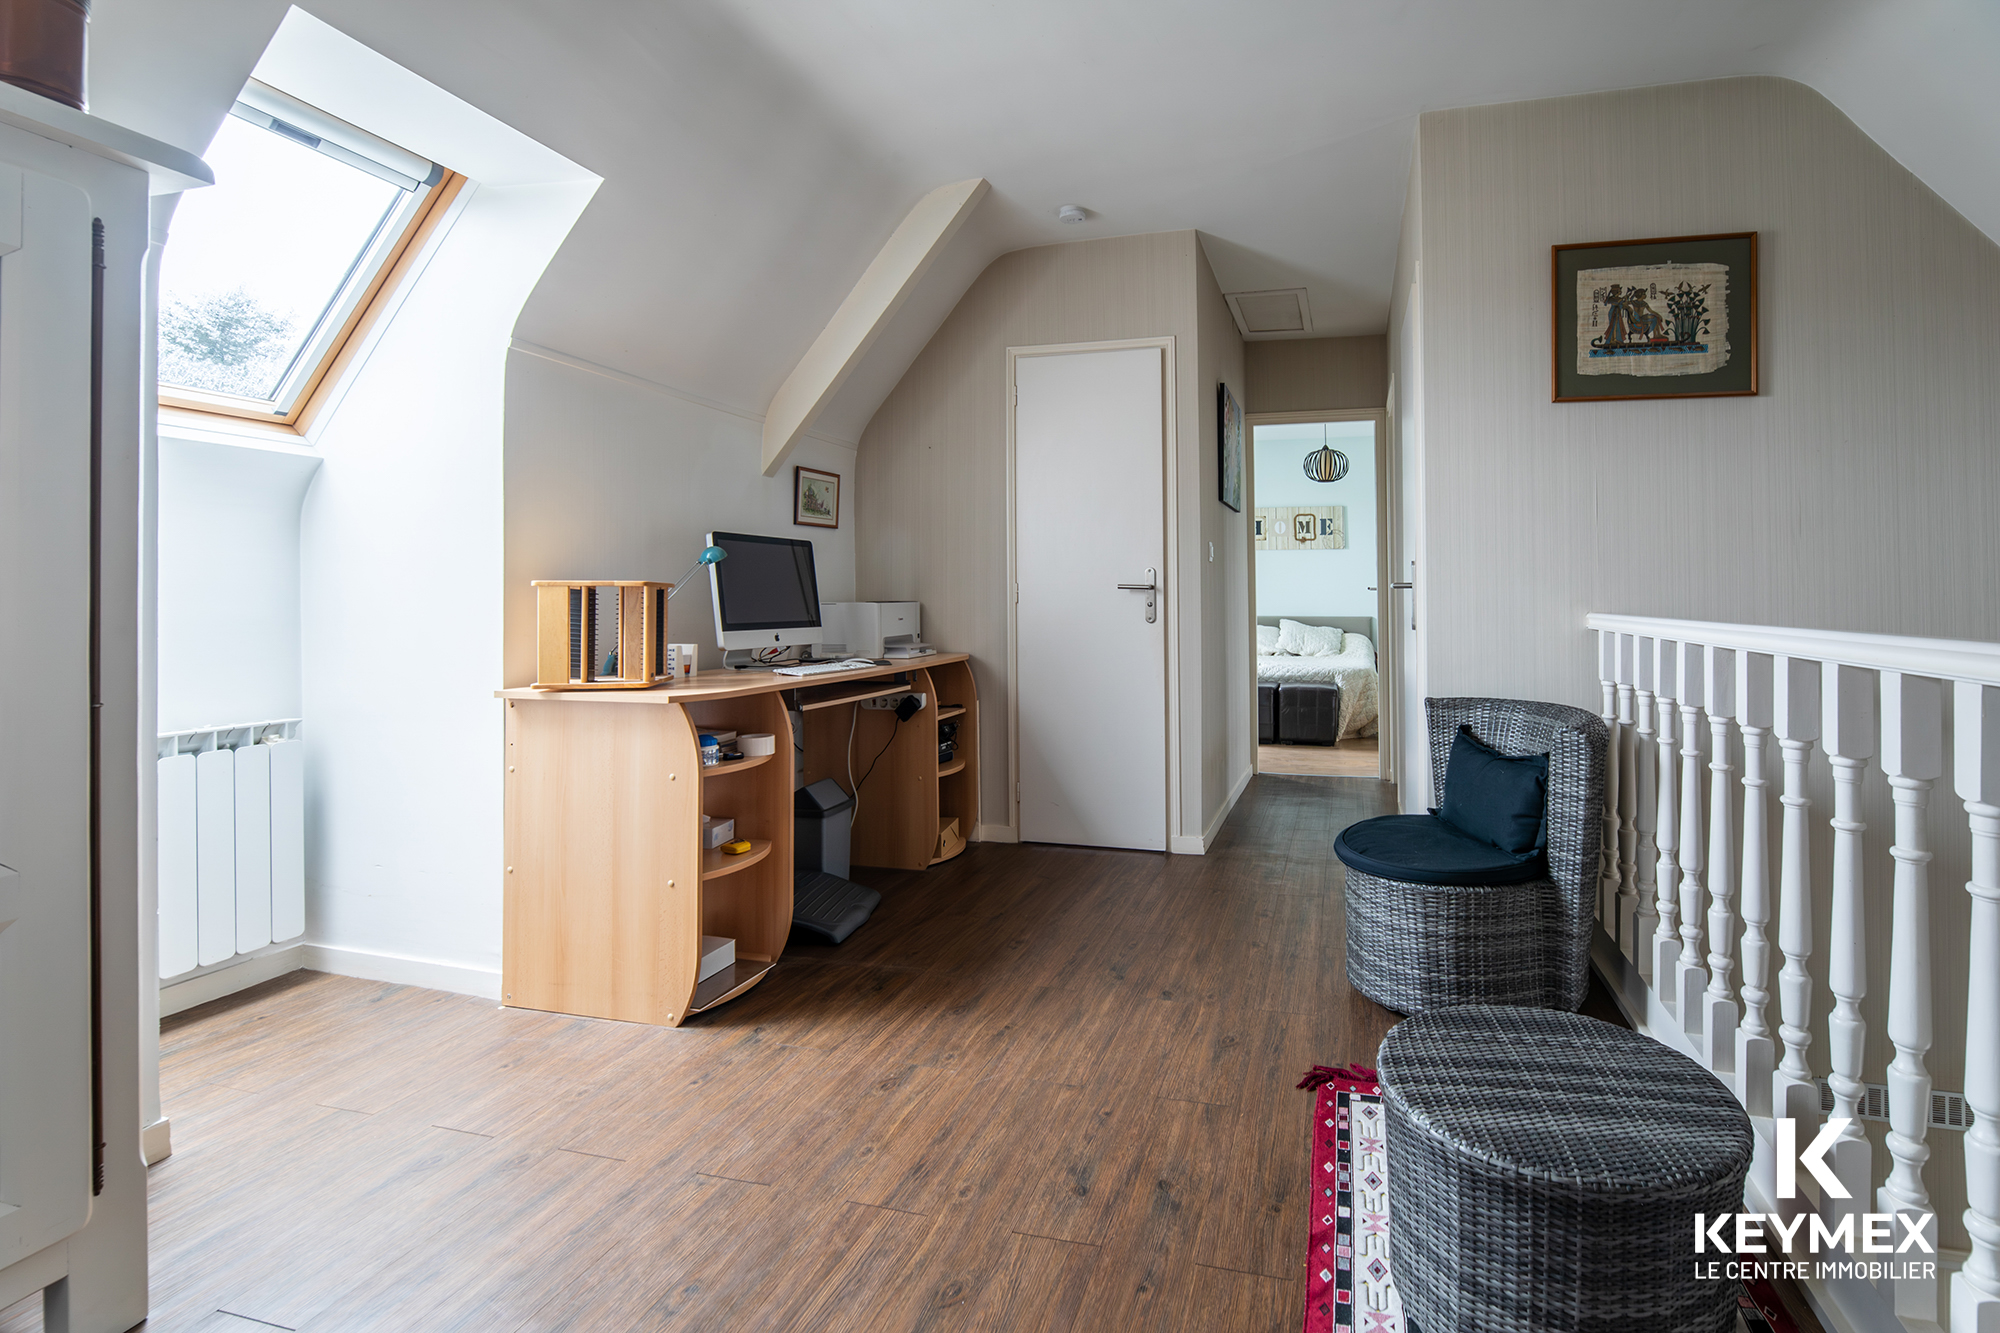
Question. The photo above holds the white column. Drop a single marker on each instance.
(1693, 978)
(1848, 715)
(1718, 1019)
(1795, 717)
(1912, 758)
(1975, 1288)
(1607, 857)
(1645, 917)
(1626, 753)
(1666, 939)
(1756, 1052)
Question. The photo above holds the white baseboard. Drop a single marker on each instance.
(425, 972)
(392, 968)
(1185, 845)
(156, 1141)
(997, 833)
(252, 971)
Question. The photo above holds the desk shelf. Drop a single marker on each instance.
(715, 863)
(948, 713)
(728, 767)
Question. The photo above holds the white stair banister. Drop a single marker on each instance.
(1628, 796)
(1666, 938)
(1607, 858)
(1693, 967)
(1795, 702)
(1913, 759)
(1975, 1288)
(1756, 1052)
(1645, 918)
(1848, 718)
(1718, 1020)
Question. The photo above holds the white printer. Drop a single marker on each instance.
(871, 629)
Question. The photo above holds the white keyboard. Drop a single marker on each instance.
(821, 668)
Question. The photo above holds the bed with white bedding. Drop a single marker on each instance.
(1350, 667)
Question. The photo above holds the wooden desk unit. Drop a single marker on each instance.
(608, 890)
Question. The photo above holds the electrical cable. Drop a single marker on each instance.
(856, 792)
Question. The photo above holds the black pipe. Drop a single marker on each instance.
(96, 705)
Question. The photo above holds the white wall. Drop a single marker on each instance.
(659, 472)
(1318, 583)
(401, 551)
(229, 580)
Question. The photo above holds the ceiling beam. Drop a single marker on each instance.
(917, 242)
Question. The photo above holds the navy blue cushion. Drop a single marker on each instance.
(1494, 797)
(1424, 849)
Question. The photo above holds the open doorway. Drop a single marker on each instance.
(1316, 531)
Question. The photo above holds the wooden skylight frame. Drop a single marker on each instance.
(376, 298)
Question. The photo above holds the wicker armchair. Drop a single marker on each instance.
(1417, 946)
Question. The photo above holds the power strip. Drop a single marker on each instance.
(892, 701)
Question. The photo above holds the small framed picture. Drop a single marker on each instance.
(1670, 317)
(1229, 448)
(815, 498)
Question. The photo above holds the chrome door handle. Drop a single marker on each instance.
(1402, 585)
(1151, 589)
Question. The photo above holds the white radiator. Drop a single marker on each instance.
(232, 842)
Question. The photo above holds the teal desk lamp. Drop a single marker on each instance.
(713, 555)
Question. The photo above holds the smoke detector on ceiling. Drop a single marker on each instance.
(1280, 313)
(1073, 213)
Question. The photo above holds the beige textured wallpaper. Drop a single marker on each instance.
(1316, 374)
(931, 518)
(1856, 492)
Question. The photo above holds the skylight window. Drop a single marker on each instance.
(271, 273)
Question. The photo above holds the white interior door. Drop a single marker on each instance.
(1090, 666)
(45, 1073)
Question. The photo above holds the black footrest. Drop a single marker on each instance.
(829, 906)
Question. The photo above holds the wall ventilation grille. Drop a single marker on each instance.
(1948, 1109)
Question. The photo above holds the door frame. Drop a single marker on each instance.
(1169, 594)
(1387, 677)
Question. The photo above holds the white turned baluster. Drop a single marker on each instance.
(1913, 758)
(1718, 1019)
(1666, 939)
(1693, 969)
(1756, 1053)
(1628, 802)
(1645, 918)
(1975, 1288)
(1795, 715)
(1607, 858)
(1848, 716)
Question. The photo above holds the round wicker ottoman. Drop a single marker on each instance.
(1545, 1170)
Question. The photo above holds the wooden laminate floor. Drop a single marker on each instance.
(1355, 757)
(1044, 1088)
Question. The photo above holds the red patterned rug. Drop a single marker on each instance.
(1348, 1282)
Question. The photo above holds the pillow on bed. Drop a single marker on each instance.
(1308, 640)
(1355, 645)
(1267, 640)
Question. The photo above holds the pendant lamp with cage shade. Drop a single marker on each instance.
(1326, 463)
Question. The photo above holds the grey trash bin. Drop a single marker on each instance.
(822, 827)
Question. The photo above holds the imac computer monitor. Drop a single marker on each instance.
(765, 592)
